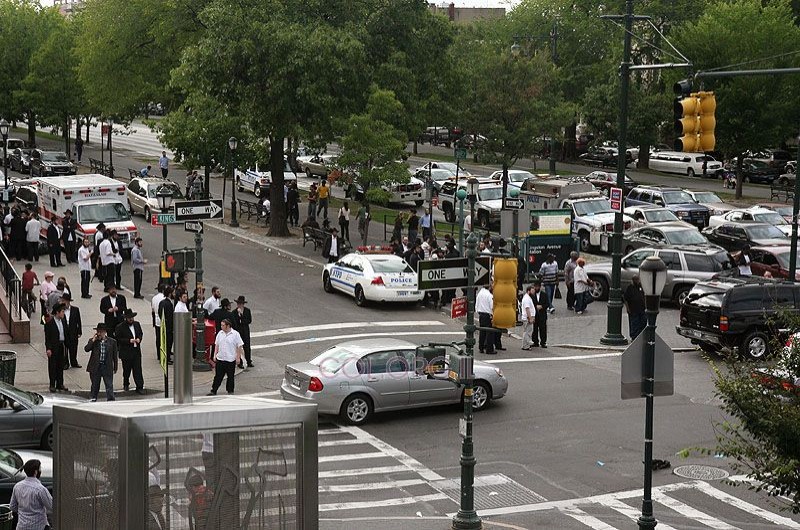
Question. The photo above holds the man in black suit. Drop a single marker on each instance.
(221, 313)
(166, 311)
(69, 237)
(241, 323)
(332, 249)
(72, 316)
(54, 242)
(112, 306)
(542, 302)
(55, 338)
(102, 364)
(129, 340)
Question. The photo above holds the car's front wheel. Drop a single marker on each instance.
(481, 395)
(690, 173)
(755, 345)
(308, 173)
(326, 283)
(146, 213)
(356, 409)
(449, 214)
(585, 243)
(483, 220)
(680, 294)
(257, 190)
(599, 289)
(48, 439)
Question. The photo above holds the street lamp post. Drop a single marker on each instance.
(4, 126)
(232, 143)
(472, 195)
(461, 194)
(514, 193)
(164, 198)
(653, 273)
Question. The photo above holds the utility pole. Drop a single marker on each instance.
(199, 363)
(554, 55)
(795, 208)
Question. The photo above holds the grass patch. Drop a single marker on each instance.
(47, 136)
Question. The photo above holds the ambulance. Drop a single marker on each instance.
(93, 199)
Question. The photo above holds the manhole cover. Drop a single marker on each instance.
(491, 491)
(701, 472)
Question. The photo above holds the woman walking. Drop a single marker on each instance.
(344, 220)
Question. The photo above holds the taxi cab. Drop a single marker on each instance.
(372, 277)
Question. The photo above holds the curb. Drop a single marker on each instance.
(236, 233)
(610, 348)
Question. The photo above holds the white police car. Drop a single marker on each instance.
(372, 277)
(258, 179)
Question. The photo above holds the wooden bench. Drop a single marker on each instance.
(96, 166)
(251, 208)
(779, 191)
(314, 235)
(132, 173)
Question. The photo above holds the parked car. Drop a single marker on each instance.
(143, 198)
(27, 196)
(50, 163)
(648, 215)
(600, 156)
(26, 418)
(689, 164)
(319, 165)
(739, 315)
(257, 180)
(685, 267)
(782, 208)
(604, 181)
(732, 236)
(11, 472)
(774, 260)
(20, 160)
(663, 235)
(759, 172)
(437, 175)
(777, 158)
(762, 215)
(710, 200)
(358, 379)
(11, 145)
(516, 177)
(438, 136)
(372, 278)
(487, 207)
(677, 200)
(592, 220)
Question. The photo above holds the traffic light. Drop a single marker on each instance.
(179, 260)
(504, 313)
(708, 122)
(694, 118)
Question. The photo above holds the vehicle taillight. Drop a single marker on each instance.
(609, 227)
(627, 225)
(314, 385)
(723, 323)
(378, 281)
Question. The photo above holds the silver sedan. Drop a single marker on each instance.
(26, 418)
(357, 379)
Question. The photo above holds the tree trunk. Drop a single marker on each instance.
(88, 124)
(739, 176)
(277, 217)
(31, 129)
(644, 156)
(78, 122)
(414, 149)
(570, 150)
(207, 182)
(66, 137)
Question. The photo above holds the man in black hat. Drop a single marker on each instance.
(332, 249)
(55, 340)
(72, 317)
(541, 302)
(129, 340)
(112, 307)
(68, 236)
(221, 313)
(241, 323)
(102, 361)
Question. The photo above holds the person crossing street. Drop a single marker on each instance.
(228, 350)
(484, 306)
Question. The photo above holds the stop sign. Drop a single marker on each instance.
(435, 201)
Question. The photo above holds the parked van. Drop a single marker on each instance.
(689, 164)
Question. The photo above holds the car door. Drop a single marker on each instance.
(738, 238)
(386, 374)
(342, 277)
(675, 272)
(630, 266)
(16, 424)
(133, 195)
(426, 391)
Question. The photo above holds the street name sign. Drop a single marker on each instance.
(615, 196)
(633, 368)
(193, 226)
(198, 210)
(513, 204)
(459, 153)
(161, 219)
(451, 273)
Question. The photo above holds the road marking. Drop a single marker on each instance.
(779, 520)
(373, 485)
(353, 456)
(352, 336)
(335, 443)
(386, 502)
(692, 513)
(630, 512)
(583, 517)
(346, 325)
(543, 359)
(334, 473)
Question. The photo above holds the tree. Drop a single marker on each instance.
(755, 111)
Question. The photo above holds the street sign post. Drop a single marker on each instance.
(615, 195)
(451, 273)
(633, 368)
(161, 219)
(513, 204)
(198, 210)
(460, 153)
(193, 226)
(458, 307)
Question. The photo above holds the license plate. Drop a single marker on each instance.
(402, 293)
(295, 382)
(694, 333)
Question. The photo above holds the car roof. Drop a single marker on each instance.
(667, 227)
(745, 222)
(777, 249)
(691, 249)
(659, 188)
(365, 346)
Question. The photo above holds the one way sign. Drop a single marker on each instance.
(451, 273)
(198, 210)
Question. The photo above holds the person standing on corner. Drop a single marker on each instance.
(344, 220)
(112, 307)
(569, 278)
(413, 226)
(30, 499)
(484, 306)
(166, 312)
(363, 218)
(292, 207)
(322, 193)
(312, 200)
(582, 285)
(129, 340)
(528, 317)
(117, 260)
(55, 339)
(137, 262)
(549, 273)
(332, 249)
(72, 317)
(107, 262)
(32, 234)
(54, 232)
(633, 298)
(242, 318)
(163, 164)
(154, 303)
(228, 349)
(103, 359)
(542, 302)
(69, 236)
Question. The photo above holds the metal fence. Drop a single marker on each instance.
(440, 228)
(13, 286)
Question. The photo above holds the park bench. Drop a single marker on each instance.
(251, 208)
(314, 235)
(132, 173)
(778, 191)
(97, 166)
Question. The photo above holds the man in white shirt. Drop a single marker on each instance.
(182, 305)
(30, 500)
(163, 165)
(108, 262)
(33, 232)
(154, 303)
(528, 317)
(85, 266)
(467, 223)
(484, 306)
(582, 284)
(228, 351)
(212, 304)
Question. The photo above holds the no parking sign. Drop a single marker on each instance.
(616, 199)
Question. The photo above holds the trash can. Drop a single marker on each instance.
(6, 517)
(8, 367)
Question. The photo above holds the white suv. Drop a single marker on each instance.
(689, 164)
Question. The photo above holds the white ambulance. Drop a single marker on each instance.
(93, 199)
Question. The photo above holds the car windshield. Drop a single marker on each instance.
(660, 216)
(519, 176)
(785, 211)
(783, 258)
(103, 212)
(706, 196)
(758, 164)
(152, 191)
(490, 194)
(441, 174)
(54, 157)
(690, 236)
(705, 296)
(390, 265)
(13, 143)
(20, 395)
(592, 207)
(722, 261)
(10, 463)
(332, 360)
(677, 197)
(773, 218)
(764, 232)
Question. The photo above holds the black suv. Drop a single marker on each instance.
(741, 315)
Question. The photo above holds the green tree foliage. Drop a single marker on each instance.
(755, 111)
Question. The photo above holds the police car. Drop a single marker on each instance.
(258, 179)
(372, 278)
